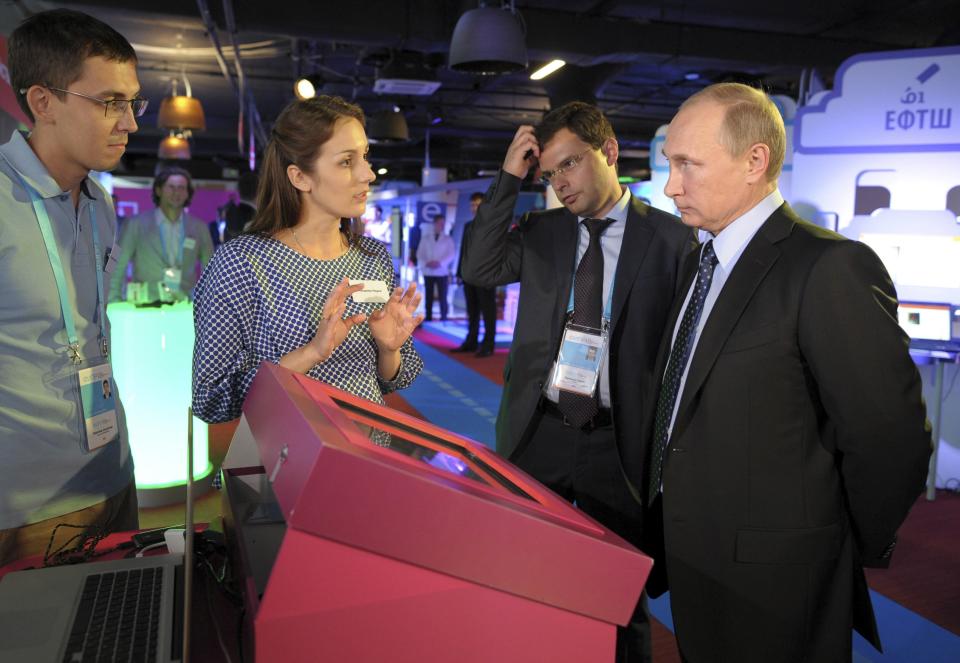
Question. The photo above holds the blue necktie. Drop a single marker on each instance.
(679, 357)
(587, 312)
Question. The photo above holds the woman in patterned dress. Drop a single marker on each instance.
(280, 291)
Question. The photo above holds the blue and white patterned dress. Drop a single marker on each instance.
(258, 299)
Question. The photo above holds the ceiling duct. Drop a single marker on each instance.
(405, 74)
(573, 83)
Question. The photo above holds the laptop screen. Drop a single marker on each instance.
(925, 321)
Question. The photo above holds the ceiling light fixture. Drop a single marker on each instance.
(307, 87)
(489, 40)
(181, 112)
(388, 126)
(174, 147)
(547, 69)
(381, 171)
(181, 115)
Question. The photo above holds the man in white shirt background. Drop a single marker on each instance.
(435, 255)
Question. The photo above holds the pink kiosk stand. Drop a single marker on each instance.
(363, 534)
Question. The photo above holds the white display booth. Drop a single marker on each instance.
(878, 159)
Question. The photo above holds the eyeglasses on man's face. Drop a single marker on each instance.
(547, 176)
(115, 108)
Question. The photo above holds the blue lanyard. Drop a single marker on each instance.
(43, 219)
(183, 239)
(608, 307)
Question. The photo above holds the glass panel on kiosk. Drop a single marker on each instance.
(435, 451)
(254, 514)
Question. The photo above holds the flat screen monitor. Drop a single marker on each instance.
(926, 321)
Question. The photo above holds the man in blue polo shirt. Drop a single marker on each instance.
(64, 446)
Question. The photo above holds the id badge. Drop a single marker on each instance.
(171, 280)
(99, 406)
(578, 364)
(373, 291)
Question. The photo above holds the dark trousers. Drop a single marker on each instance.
(584, 467)
(115, 514)
(481, 302)
(440, 283)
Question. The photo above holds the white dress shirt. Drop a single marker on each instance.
(171, 232)
(729, 245)
(435, 247)
(610, 242)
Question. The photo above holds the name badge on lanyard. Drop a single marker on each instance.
(99, 407)
(95, 382)
(171, 280)
(581, 356)
(582, 351)
(170, 285)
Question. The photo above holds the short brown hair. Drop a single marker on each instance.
(165, 175)
(300, 131)
(750, 117)
(585, 120)
(50, 48)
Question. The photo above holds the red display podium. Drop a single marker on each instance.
(363, 534)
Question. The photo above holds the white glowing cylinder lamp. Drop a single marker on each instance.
(152, 356)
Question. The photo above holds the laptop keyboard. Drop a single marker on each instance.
(118, 618)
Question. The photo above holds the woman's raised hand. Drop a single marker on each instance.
(333, 327)
(392, 325)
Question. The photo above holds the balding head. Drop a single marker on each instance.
(750, 117)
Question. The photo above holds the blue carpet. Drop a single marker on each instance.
(456, 331)
(454, 397)
(907, 637)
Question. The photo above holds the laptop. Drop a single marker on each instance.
(930, 325)
(135, 609)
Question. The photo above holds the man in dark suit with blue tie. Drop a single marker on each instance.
(604, 265)
(790, 437)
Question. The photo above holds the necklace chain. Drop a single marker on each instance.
(300, 244)
(297, 239)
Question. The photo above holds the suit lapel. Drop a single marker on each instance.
(637, 237)
(750, 270)
(688, 273)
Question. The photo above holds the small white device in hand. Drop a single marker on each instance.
(373, 291)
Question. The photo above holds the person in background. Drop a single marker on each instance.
(166, 245)
(62, 473)
(281, 291)
(413, 243)
(240, 214)
(790, 437)
(480, 301)
(605, 264)
(434, 256)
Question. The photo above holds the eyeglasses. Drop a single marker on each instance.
(111, 107)
(546, 176)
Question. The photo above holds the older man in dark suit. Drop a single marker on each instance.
(604, 266)
(789, 435)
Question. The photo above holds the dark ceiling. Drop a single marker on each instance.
(634, 58)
